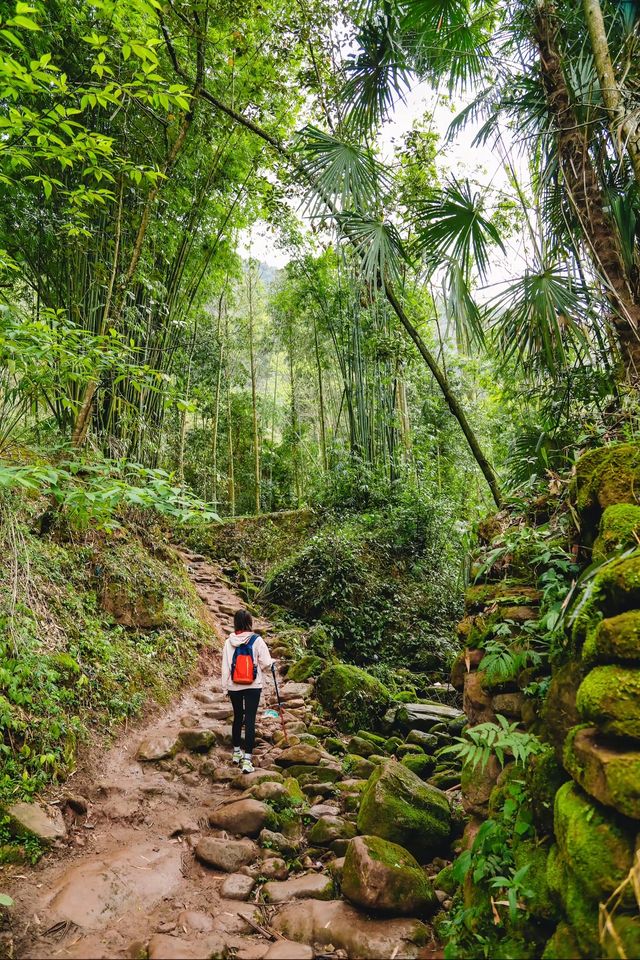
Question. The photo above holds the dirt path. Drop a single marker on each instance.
(125, 880)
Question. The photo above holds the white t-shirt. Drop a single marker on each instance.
(261, 657)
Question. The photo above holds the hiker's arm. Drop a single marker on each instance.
(263, 656)
(225, 668)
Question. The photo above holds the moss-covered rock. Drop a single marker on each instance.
(510, 592)
(335, 746)
(559, 713)
(352, 696)
(542, 903)
(607, 476)
(626, 932)
(594, 844)
(380, 875)
(359, 767)
(562, 945)
(606, 770)
(544, 775)
(580, 909)
(306, 667)
(391, 744)
(420, 763)
(619, 527)
(330, 828)
(613, 590)
(616, 639)
(610, 697)
(398, 806)
(360, 747)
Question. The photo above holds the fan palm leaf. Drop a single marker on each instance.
(378, 245)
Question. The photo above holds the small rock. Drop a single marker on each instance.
(160, 747)
(228, 855)
(203, 697)
(246, 817)
(237, 886)
(323, 810)
(330, 828)
(274, 868)
(360, 747)
(196, 921)
(185, 827)
(77, 803)
(243, 781)
(314, 886)
(198, 740)
(163, 947)
(34, 820)
(428, 741)
(271, 791)
(295, 691)
(303, 753)
(441, 895)
(288, 950)
(277, 841)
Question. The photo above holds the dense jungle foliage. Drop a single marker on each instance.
(454, 319)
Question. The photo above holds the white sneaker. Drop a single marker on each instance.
(246, 766)
(237, 755)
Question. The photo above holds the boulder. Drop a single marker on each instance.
(330, 828)
(197, 740)
(427, 741)
(338, 923)
(609, 696)
(419, 763)
(352, 696)
(379, 875)
(302, 754)
(606, 770)
(592, 841)
(559, 713)
(466, 662)
(613, 590)
(295, 691)
(606, 476)
(321, 774)
(308, 666)
(360, 747)
(619, 528)
(274, 868)
(476, 700)
(398, 806)
(242, 781)
(310, 886)
(162, 746)
(237, 886)
(359, 767)
(33, 820)
(273, 793)
(508, 704)
(227, 855)
(247, 817)
(477, 783)
(616, 640)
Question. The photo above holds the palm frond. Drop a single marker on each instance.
(378, 245)
(378, 74)
(343, 176)
(540, 317)
(450, 38)
(450, 225)
(461, 309)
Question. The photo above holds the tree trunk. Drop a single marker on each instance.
(585, 193)
(323, 436)
(254, 402)
(216, 406)
(624, 125)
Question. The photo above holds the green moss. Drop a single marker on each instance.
(381, 875)
(352, 696)
(335, 746)
(614, 589)
(616, 639)
(306, 667)
(421, 764)
(619, 527)
(444, 880)
(506, 592)
(607, 770)
(593, 842)
(373, 738)
(606, 476)
(627, 930)
(580, 908)
(562, 945)
(398, 806)
(610, 696)
(544, 776)
(542, 904)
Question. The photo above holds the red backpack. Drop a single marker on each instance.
(244, 669)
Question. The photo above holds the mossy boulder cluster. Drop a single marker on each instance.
(584, 787)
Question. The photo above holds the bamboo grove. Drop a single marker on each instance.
(140, 142)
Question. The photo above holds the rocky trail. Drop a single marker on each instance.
(164, 850)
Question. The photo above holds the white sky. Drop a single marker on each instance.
(460, 157)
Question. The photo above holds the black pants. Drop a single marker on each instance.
(245, 707)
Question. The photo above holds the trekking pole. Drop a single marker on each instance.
(280, 707)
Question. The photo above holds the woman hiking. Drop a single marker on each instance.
(244, 657)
